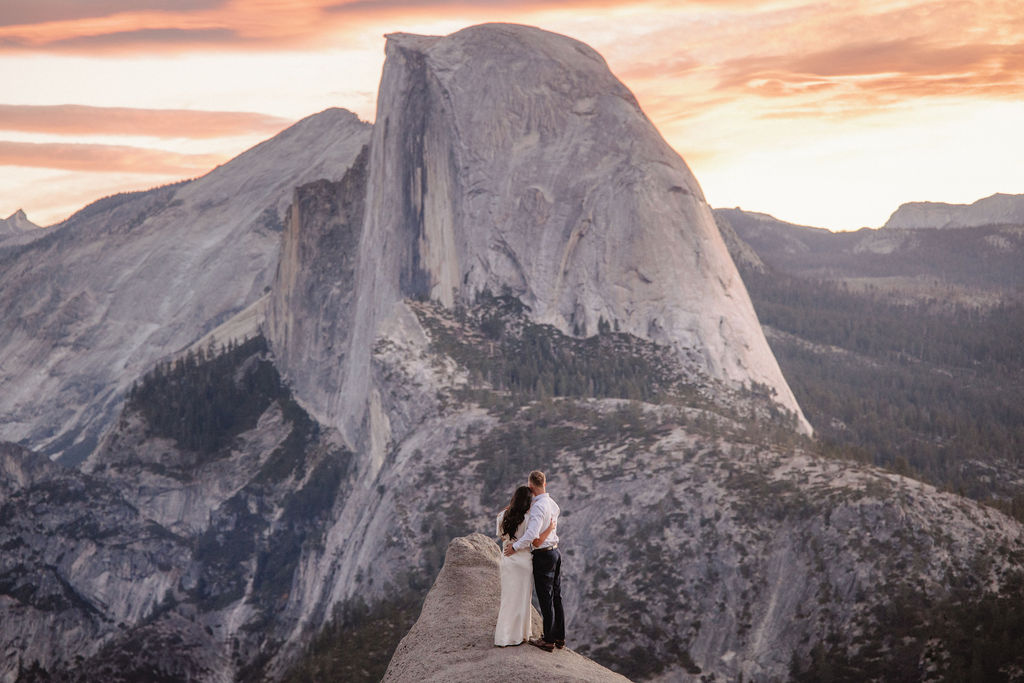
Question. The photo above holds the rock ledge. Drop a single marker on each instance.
(453, 639)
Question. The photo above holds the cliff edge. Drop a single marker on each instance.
(453, 639)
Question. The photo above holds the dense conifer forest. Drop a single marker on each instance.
(204, 398)
(929, 389)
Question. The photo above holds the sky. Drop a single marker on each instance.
(829, 114)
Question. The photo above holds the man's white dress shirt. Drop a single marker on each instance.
(543, 511)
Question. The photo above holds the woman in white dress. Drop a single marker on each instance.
(516, 572)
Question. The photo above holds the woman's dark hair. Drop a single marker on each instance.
(516, 512)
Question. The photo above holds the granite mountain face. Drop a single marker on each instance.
(511, 271)
(93, 302)
(510, 161)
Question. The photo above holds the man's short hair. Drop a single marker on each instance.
(537, 478)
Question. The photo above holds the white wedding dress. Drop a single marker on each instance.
(516, 592)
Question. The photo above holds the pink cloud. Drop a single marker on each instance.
(72, 119)
(20, 12)
(104, 158)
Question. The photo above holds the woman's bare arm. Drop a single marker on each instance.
(537, 542)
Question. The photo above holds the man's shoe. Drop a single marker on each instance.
(559, 644)
(542, 644)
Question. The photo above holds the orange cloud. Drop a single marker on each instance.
(679, 65)
(390, 7)
(80, 120)
(138, 40)
(161, 27)
(72, 119)
(20, 12)
(873, 73)
(908, 56)
(104, 158)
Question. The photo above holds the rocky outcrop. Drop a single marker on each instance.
(97, 300)
(310, 307)
(509, 160)
(998, 209)
(168, 559)
(78, 563)
(742, 553)
(453, 639)
(16, 224)
(742, 253)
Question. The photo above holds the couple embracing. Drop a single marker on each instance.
(530, 560)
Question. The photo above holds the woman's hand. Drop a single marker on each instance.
(537, 542)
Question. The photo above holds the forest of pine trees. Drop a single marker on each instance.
(930, 390)
(533, 361)
(206, 397)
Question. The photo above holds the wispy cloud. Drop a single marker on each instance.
(390, 7)
(162, 26)
(844, 61)
(20, 12)
(154, 40)
(909, 67)
(72, 119)
(104, 158)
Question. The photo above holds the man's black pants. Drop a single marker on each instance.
(547, 579)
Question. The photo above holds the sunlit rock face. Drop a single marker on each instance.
(92, 303)
(508, 159)
(998, 209)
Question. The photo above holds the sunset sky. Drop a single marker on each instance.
(821, 113)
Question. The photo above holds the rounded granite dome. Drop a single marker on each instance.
(509, 159)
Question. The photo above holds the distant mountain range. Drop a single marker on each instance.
(903, 344)
(978, 264)
(999, 209)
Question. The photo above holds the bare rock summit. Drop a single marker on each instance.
(998, 209)
(17, 222)
(509, 160)
(453, 639)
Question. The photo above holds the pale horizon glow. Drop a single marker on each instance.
(818, 114)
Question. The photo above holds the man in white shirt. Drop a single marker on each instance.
(547, 563)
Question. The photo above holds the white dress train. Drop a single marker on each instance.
(514, 615)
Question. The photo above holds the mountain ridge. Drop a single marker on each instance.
(976, 266)
(131, 278)
(996, 209)
(17, 222)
